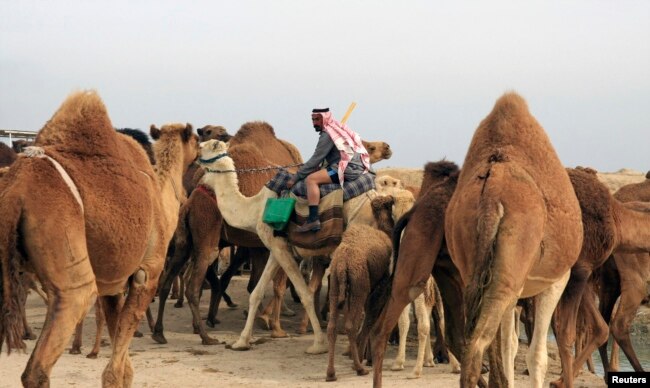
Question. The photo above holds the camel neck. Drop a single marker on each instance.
(633, 224)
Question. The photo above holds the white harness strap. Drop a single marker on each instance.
(38, 152)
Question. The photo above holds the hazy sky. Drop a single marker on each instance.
(423, 73)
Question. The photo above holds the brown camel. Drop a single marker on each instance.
(513, 230)
(86, 211)
(624, 274)
(201, 227)
(7, 155)
(608, 227)
(358, 264)
(415, 254)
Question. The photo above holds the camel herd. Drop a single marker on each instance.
(97, 215)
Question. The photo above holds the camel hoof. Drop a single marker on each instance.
(362, 372)
(232, 305)
(317, 349)
(239, 346)
(178, 305)
(413, 376)
(455, 370)
(212, 322)
(159, 337)
(29, 336)
(557, 384)
(75, 351)
(279, 334)
(397, 367)
(429, 364)
(210, 341)
(260, 341)
(92, 356)
(138, 334)
(330, 378)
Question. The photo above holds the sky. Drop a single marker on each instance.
(423, 73)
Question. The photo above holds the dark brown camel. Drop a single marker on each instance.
(203, 229)
(20, 145)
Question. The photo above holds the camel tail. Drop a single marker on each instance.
(490, 216)
(12, 291)
(343, 284)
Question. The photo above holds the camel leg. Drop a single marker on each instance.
(318, 271)
(202, 260)
(614, 363)
(403, 324)
(545, 303)
(175, 288)
(244, 341)
(424, 337)
(78, 334)
(331, 328)
(632, 293)
(279, 289)
(64, 268)
(29, 333)
(599, 328)
(173, 268)
(142, 288)
(509, 344)
(288, 263)
(352, 325)
(99, 320)
(216, 290)
(181, 288)
(607, 299)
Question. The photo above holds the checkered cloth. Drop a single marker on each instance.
(363, 183)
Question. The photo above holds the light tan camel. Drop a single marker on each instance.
(201, 228)
(87, 211)
(246, 213)
(513, 230)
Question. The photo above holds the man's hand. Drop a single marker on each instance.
(290, 183)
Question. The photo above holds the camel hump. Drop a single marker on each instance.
(80, 125)
(509, 103)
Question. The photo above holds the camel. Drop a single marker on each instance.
(358, 264)
(418, 246)
(377, 150)
(624, 274)
(513, 230)
(92, 218)
(246, 213)
(7, 155)
(609, 226)
(201, 226)
(20, 145)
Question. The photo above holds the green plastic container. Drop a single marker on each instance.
(278, 211)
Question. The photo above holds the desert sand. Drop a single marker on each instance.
(184, 362)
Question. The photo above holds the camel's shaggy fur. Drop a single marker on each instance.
(513, 229)
(358, 264)
(113, 238)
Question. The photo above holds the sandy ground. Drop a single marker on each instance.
(184, 362)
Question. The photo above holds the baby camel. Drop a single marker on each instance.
(358, 264)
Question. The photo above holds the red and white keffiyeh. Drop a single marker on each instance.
(346, 141)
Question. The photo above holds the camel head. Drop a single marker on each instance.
(377, 150)
(382, 210)
(216, 132)
(184, 132)
(388, 183)
(20, 145)
(213, 153)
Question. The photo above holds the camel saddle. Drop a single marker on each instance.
(330, 213)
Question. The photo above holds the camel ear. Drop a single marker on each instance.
(154, 132)
(187, 132)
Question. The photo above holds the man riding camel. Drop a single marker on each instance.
(339, 156)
